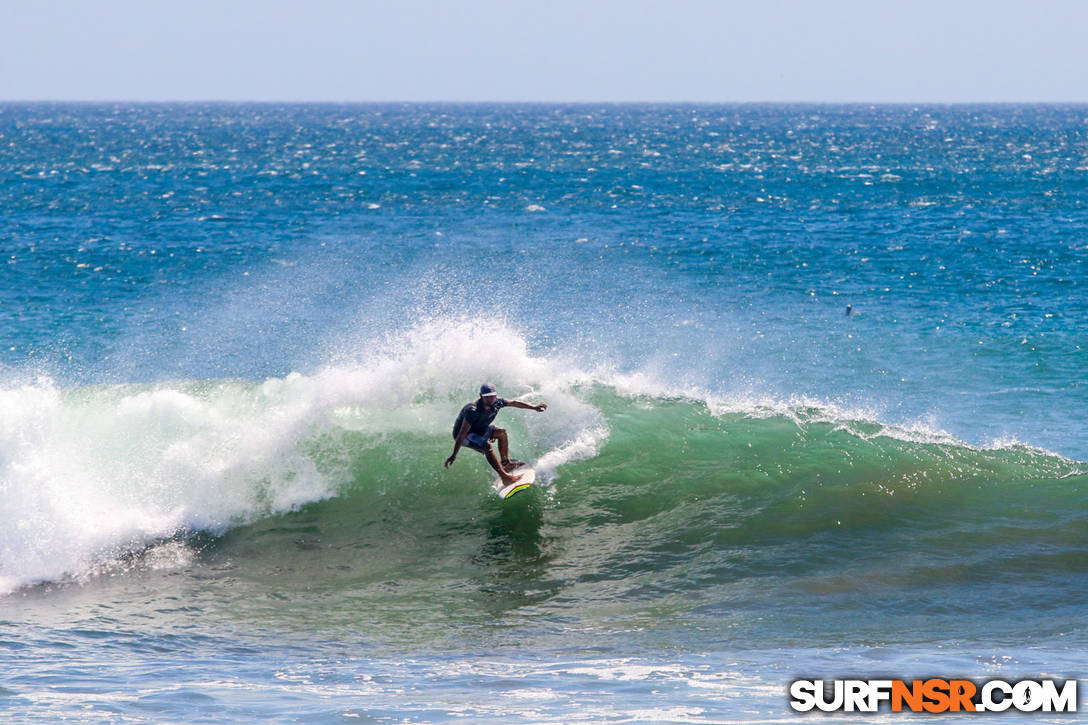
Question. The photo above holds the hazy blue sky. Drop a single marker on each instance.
(549, 50)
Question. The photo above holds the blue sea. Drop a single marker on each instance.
(816, 382)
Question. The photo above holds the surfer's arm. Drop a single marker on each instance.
(465, 428)
(527, 406)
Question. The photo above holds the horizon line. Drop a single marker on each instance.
(548, 102)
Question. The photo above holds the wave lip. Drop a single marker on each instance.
(89, 475)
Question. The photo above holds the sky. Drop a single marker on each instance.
(548, 50)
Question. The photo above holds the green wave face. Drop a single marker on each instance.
(321, 501)
(683, 521)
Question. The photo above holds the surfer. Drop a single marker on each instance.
(474, 429)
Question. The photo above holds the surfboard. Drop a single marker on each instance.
(528, 477)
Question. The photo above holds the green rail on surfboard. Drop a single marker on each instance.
(527, 479)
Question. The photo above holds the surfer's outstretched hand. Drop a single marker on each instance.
(450, 460)
(540, 408)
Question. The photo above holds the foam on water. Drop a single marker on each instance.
(90, 474)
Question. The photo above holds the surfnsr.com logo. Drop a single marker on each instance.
(934, 695)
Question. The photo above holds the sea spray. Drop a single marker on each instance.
(93, 473)
(90, 474)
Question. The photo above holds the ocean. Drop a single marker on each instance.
(815, 374)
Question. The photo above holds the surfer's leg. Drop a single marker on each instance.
(480, 444)
(504, 445)
(494, 461)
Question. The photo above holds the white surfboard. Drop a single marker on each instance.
(528, 476)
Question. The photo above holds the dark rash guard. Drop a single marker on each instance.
(477, 417)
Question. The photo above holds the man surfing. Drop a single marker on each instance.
(473, 428)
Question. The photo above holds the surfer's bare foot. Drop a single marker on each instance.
(507, 480)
